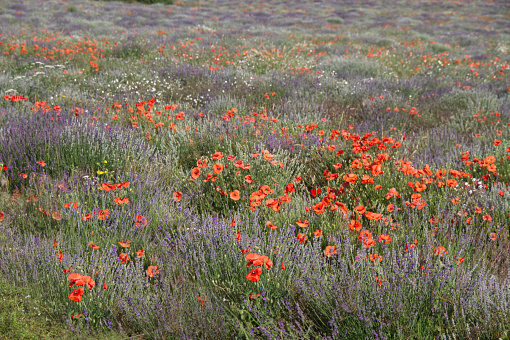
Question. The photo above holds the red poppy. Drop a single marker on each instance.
(350, 178)
(235, 195)
(124, 244)
(121, 200)
(23, 175)
(140, 253)
(270, 225)
(493, 236)
(360, 209)
(195, 173)
(373, 216)
(140, 221)
(56, 215)
(330, 250)
(248, 179)
(41, 163)
(251, 258)
(76, 295)
(355, 225)
(487, 217)
(202, 163)
(302, 224)
(93, 245)
(315, 192)
(254, 275)
(451, 183)
(124, 257)
(289, 188)
(319, 207)
(177, 196)
(152, 270)
(103, 214)
(318, 233)
(218, 168)
(1, 216)
(441, 251)
(385, 238)
(301, 237)
(217, 155)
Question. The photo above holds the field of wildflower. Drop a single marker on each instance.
(255, 170)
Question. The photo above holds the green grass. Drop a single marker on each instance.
(23, 317)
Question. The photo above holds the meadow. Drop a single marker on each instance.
(255, 170)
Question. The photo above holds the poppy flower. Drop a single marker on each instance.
(140, 221)
(261, 260)
(41, 163)
(319, 207)
(385, 238)
(235, 195)
(315, 192)
(330, 250)
(93, 245)
(237, 235)
(254, 275)
(248, 179)
(202, 163)
(140, 253)
(268, 156)
(364, 234)
(73, 206)
(350, 178)
(218, 168)
(60, 255)
(301, 237)
(366, 179)
(318, 233)
(124, 257)
(1, 216)
(22, 175)
(217, 155)
(195, 173)
(367, 243)
(56, 215)
(373, 216)
(105, 286)
(270, 225)
(451, 183)
(251, 258)
(493, 236)
(125, 244)
(360, 209)
(487, 217)
(302, 224)
(121, 200)
(76, 295)
(441, 251)
(253, 296)
(355, 225)
(177, 196)
(289, 188)
(103, 214)
(73, 278)
(76, 316)
(152, 270)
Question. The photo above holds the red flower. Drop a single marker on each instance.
(140, 221)
(330, 250)
(177, 196)
(152, 270)
(76, 295)
(124, 257)
(41, 163)
(254, 274)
